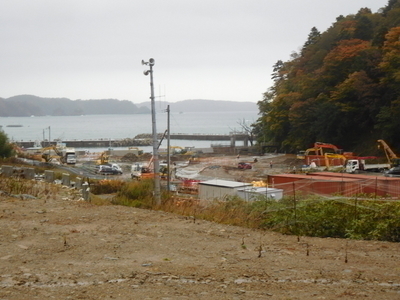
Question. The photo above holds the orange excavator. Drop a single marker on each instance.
(147, 171)
(324, 154)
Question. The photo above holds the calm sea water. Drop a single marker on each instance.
(94, 127)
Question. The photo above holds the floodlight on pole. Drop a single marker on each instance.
(156, 164)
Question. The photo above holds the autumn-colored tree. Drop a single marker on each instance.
(342, 88)
(391, 58)
(343, 59)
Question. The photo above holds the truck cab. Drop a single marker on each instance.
(354, 165)
(71, 158)
(136, 171)
(68, 156)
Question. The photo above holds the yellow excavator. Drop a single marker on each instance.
(392, 158)
(51, 154)
(181, 150)
(103, 158)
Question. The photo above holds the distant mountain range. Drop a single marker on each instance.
(29, 105)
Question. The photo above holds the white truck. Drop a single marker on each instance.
(356, 165)
(68, 156)
(136, 171)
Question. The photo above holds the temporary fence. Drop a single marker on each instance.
(347, 187)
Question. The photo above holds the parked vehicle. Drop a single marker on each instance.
(244, 165)
(115, 167)
(356, 165)
(393, 172)
(110, 169)
(301, 154)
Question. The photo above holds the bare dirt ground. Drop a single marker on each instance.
(226, 167)
(57, 247)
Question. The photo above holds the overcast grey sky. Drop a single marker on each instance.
(203, 49)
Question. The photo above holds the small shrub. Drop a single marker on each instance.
(377, 220)
(106, 186)
(99, 201)
(231, 210)
(10, 160)
(17, 186)
(136, 193)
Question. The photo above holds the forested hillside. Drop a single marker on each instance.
(342, 87)
(28, 105)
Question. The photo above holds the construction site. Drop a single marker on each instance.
(55, 245)
(323, 169)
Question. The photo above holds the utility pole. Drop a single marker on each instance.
(156, 163)
(44, 137)
(168, 153)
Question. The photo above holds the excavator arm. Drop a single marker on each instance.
(390, 155)
(48, 156)
(103, 158)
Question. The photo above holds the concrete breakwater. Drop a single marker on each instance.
(201, 136)
(139, 141)
(99, 143)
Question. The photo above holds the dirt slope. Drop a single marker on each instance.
(56, 247)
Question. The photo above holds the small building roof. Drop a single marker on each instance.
(225, 183)
(260, 190)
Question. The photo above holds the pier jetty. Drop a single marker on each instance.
(139, 140)
(95, 143)
(208, 137)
